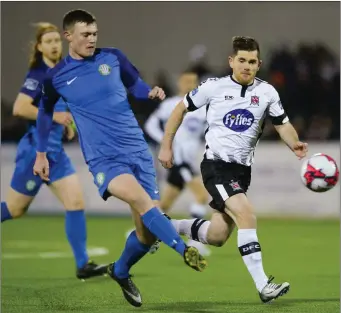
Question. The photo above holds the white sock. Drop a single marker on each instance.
(195, 229)
(250, 250)
(197, 210)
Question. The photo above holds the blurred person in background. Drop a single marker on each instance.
(64, 183)
(187, 143)
(198, 57)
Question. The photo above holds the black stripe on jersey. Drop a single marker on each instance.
(260, 80)
(162, 125)
(191, 106)
(278, 120)
(244, 87)
(243, 91)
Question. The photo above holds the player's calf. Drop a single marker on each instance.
(240, 209)
(127, 188)
(11, 212)
(16, 205)
(214, 232)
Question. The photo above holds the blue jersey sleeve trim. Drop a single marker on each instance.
(140, 90)
(129, 73)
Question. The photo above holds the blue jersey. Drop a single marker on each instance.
(32, 88)
(95, 90)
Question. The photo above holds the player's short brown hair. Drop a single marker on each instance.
(77, 16)
(41, 29)
(244, 43)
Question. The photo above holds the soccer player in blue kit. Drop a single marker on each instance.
(93, 82)
(64, 183)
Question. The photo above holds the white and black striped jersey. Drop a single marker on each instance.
(235, 116)
(189, 137)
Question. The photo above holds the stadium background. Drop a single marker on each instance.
(300, 47)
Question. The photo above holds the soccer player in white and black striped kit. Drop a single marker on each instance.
(236, 106)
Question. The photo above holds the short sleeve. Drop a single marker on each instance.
(32, 84)
(276, 111)
(199, 96)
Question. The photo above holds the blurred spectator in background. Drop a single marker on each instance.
(198, 62)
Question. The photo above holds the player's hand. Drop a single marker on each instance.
(70, 133)
(41, 166)
(166, 157)
(300, 149)
(63, 118)
(157, 93)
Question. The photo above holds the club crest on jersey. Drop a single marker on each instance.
(254, 100)
(238, 120)
(104, 69)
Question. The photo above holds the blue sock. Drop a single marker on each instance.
(134, 251)
(75, 227)
(5, 214)
(161, 227)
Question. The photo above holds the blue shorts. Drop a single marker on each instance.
(139, 164)
(24, 181)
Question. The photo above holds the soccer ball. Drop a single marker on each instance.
(319, 173)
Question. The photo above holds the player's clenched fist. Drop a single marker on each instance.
(166, 157)
(41, 166)
(157, 93)
(300, 149)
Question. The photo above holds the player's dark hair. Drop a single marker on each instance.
(245, 44)
(41, 29)
(77, 16)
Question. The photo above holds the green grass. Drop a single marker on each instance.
(305, 253)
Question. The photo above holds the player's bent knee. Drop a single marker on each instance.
(217, 239)
(157, 203)
(140, 203)
(75, 205)
(217, 242)
(17, 211)
(164, 206)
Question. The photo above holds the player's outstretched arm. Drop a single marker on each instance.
(174, 122)
(133, 82)
(289, 135)
(44, 125)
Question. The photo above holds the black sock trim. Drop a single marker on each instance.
(167, 216)
(195, 228)
(250, 248)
